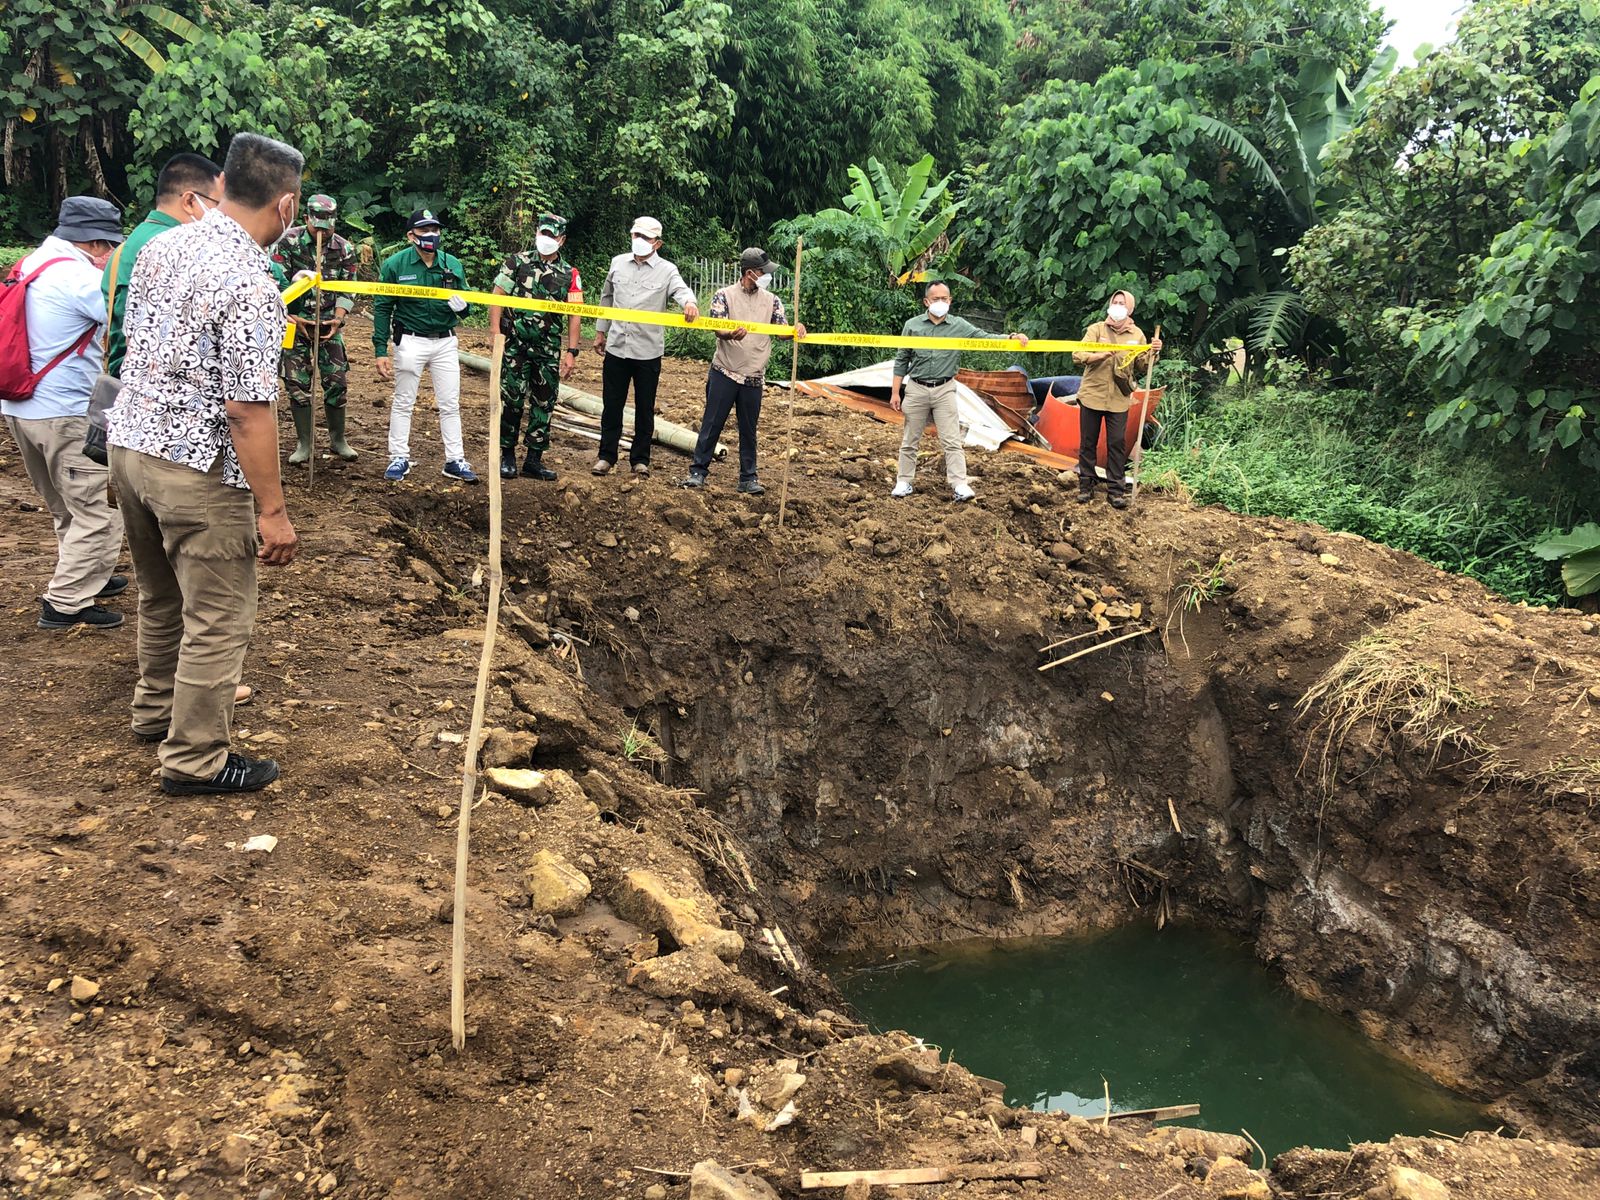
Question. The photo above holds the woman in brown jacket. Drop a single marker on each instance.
(1106, 395)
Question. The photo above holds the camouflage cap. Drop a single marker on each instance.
(320, 211)
(552, 223)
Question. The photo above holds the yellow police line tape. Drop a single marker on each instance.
(635, 316)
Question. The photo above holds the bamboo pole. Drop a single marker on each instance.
(469, 773)
(1138, 438)
(316, 365)
(1096, 647)
(794, 380)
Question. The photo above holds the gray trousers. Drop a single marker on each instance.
(73, 488)
(921, 403)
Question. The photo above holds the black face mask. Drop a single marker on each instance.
(428, 241)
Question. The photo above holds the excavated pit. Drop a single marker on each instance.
(857, 702)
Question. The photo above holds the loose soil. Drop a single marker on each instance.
(835, 729)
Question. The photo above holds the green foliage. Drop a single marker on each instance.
(71, 70)
(10, 256)
(1332, 457)
(1578, 552)
(912, 216)
(1519, 359)
(1092, 187)
(843, 286)
(225, 82)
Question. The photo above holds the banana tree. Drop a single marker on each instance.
(1299, 128)
(66, 86)
(912, 217)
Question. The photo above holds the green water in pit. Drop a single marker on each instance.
(1180, 1016)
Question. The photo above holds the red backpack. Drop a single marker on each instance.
(18, 379)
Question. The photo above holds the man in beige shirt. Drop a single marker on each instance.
(1105, 397)
(739, 368)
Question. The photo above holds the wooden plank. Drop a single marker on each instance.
(899, 1176)
(1171, 1112)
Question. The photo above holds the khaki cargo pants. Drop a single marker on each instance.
(920, 404)
(193, 542)
(73, 488)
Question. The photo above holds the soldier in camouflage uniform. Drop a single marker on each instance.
(296, 254)
(537, 356)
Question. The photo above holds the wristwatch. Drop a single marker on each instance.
(572, 350)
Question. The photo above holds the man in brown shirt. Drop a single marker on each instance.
(1105, 397)
(739, 369)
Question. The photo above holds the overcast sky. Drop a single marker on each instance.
(1418, 21)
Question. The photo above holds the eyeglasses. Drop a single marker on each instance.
(212, 200)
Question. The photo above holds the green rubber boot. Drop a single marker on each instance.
(303, 420)
(336, 441)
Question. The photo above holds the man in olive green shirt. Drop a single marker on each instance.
(424, 333)
(188, 187)
(929, 378)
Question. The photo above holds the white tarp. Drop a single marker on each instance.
(980, 426)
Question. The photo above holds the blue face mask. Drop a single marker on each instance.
(428, 241)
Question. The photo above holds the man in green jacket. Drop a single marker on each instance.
(424, 334)
(188, 187)
(929, 378)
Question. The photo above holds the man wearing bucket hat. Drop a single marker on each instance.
(640, 279)
(541, 348)
(424, 333)
(303, 251)
(739, 368)
(66, 312)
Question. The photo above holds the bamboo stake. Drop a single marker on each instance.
(1138, 438)
(316, 365)
(469, 774)
(794, 380)
(1097, 646)
(1076, 638)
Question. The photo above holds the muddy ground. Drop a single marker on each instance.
(835, 729)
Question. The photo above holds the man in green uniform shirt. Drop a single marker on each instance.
(305, 250)
(537, 356)
(424, 333)
(929, 377)
(188, 187)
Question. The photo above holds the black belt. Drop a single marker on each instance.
(932, 382)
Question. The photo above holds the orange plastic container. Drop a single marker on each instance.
(1058, 421)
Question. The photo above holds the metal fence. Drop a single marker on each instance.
(708, 277)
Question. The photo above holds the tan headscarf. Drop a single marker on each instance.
(1127, 321)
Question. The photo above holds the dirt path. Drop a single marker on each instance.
(275, 1025)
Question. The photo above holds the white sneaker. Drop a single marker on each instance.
(963, 493)
(901, 491)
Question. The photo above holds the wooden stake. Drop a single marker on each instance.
(1097, 646)
(794, 380)
(905, 1175)
(469, 774)
(316, 365)
(1075, 638)
(1138, 437)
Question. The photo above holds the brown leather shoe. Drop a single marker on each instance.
(641, 469)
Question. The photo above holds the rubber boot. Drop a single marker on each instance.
(508, 464)
(533, 466)
(303, 420)
(336, 438)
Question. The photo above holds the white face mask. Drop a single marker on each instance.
(545, 244)
(939, 308)
(764, 281)
(1118, 312)
(643, 247)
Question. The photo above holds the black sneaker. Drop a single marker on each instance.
(751, 487)
(1117, 500)
(1085, 495)
(695, 480)
(115, 586)
(238, 774)
(533, 466)
(92, 615)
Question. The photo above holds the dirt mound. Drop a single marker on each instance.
(835, 730)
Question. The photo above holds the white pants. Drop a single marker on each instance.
(919, 402)
(438, 355)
